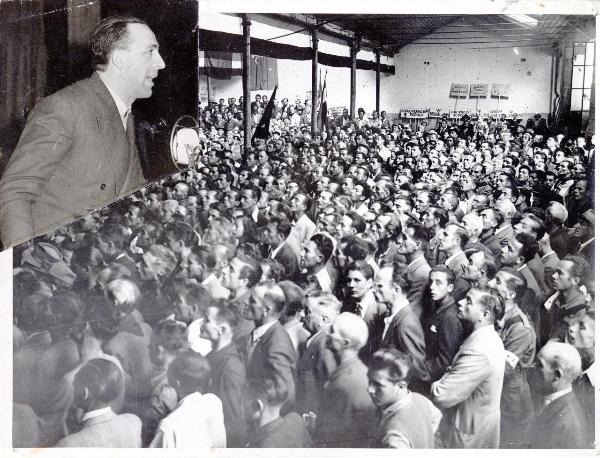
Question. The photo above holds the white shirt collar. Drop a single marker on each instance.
(208, 279)
(96, 413)
(261, 331)
(592, 373)
(123, 109)
(554, 396)
(324, 280)
(276, 250)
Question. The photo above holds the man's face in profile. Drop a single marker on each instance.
(141, 62)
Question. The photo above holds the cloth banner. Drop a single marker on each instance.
(220, 64)
(263, 73)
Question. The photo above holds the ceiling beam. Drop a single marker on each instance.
(330, 30)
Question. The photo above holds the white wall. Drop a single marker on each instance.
(417, 85)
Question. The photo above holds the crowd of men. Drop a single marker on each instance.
(372, 287)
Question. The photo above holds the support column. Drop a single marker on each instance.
(377, 79)
(315, 84)
(353, 52)
(246, 82)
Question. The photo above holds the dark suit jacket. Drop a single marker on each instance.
(274, 356)
(228, 375)
(561, 424)
(348, 414)
(287, 257)
(314, 368)
(284, 432)
(417, 277)
(406, 335)
(73, 156)
(444, 334)
(373, 316)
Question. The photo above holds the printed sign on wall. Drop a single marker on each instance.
(459, 90)
(478, 90)
(420, 114)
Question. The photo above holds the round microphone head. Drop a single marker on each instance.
(185, 142)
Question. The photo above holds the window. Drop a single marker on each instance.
(581, 84)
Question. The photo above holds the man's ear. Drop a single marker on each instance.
(450, 287)
(258, 405)
(558, 374)
(117, 58)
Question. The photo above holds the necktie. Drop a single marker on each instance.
(125, 119)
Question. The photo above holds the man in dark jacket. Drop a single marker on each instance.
(561, 421)
(228, 372)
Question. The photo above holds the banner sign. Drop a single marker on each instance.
(459, 113)
(478, 90)
(459, 90)
(493, 114)
(420, 114)
(500, 90)
(439, 113)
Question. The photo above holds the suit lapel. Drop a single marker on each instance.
(110, 128)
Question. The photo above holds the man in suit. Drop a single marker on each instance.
(412, 245)
(269, 350)
(314, 258)
(470, 389)
(453, 239)
(96, 384)
(561, 421)
(228, 371)
(518, 337)
(276, 233)
(491, 218)
(348, 414)
(361, 301)
(516, 253)
(316, 362)
(77, 151)
(402, 329)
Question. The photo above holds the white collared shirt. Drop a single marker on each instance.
(196, 422)
(96, 413)
(123, 109)
(276, 250)
(324, 280)
(197, 343)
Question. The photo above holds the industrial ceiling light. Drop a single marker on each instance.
(522, 19)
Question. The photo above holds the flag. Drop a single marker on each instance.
(262, 128)
(220, 65)
(263, 73)
(322, 120)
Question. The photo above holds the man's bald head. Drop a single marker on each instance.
(563, 360)
(352, 328)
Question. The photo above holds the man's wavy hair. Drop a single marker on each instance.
(110, 34)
